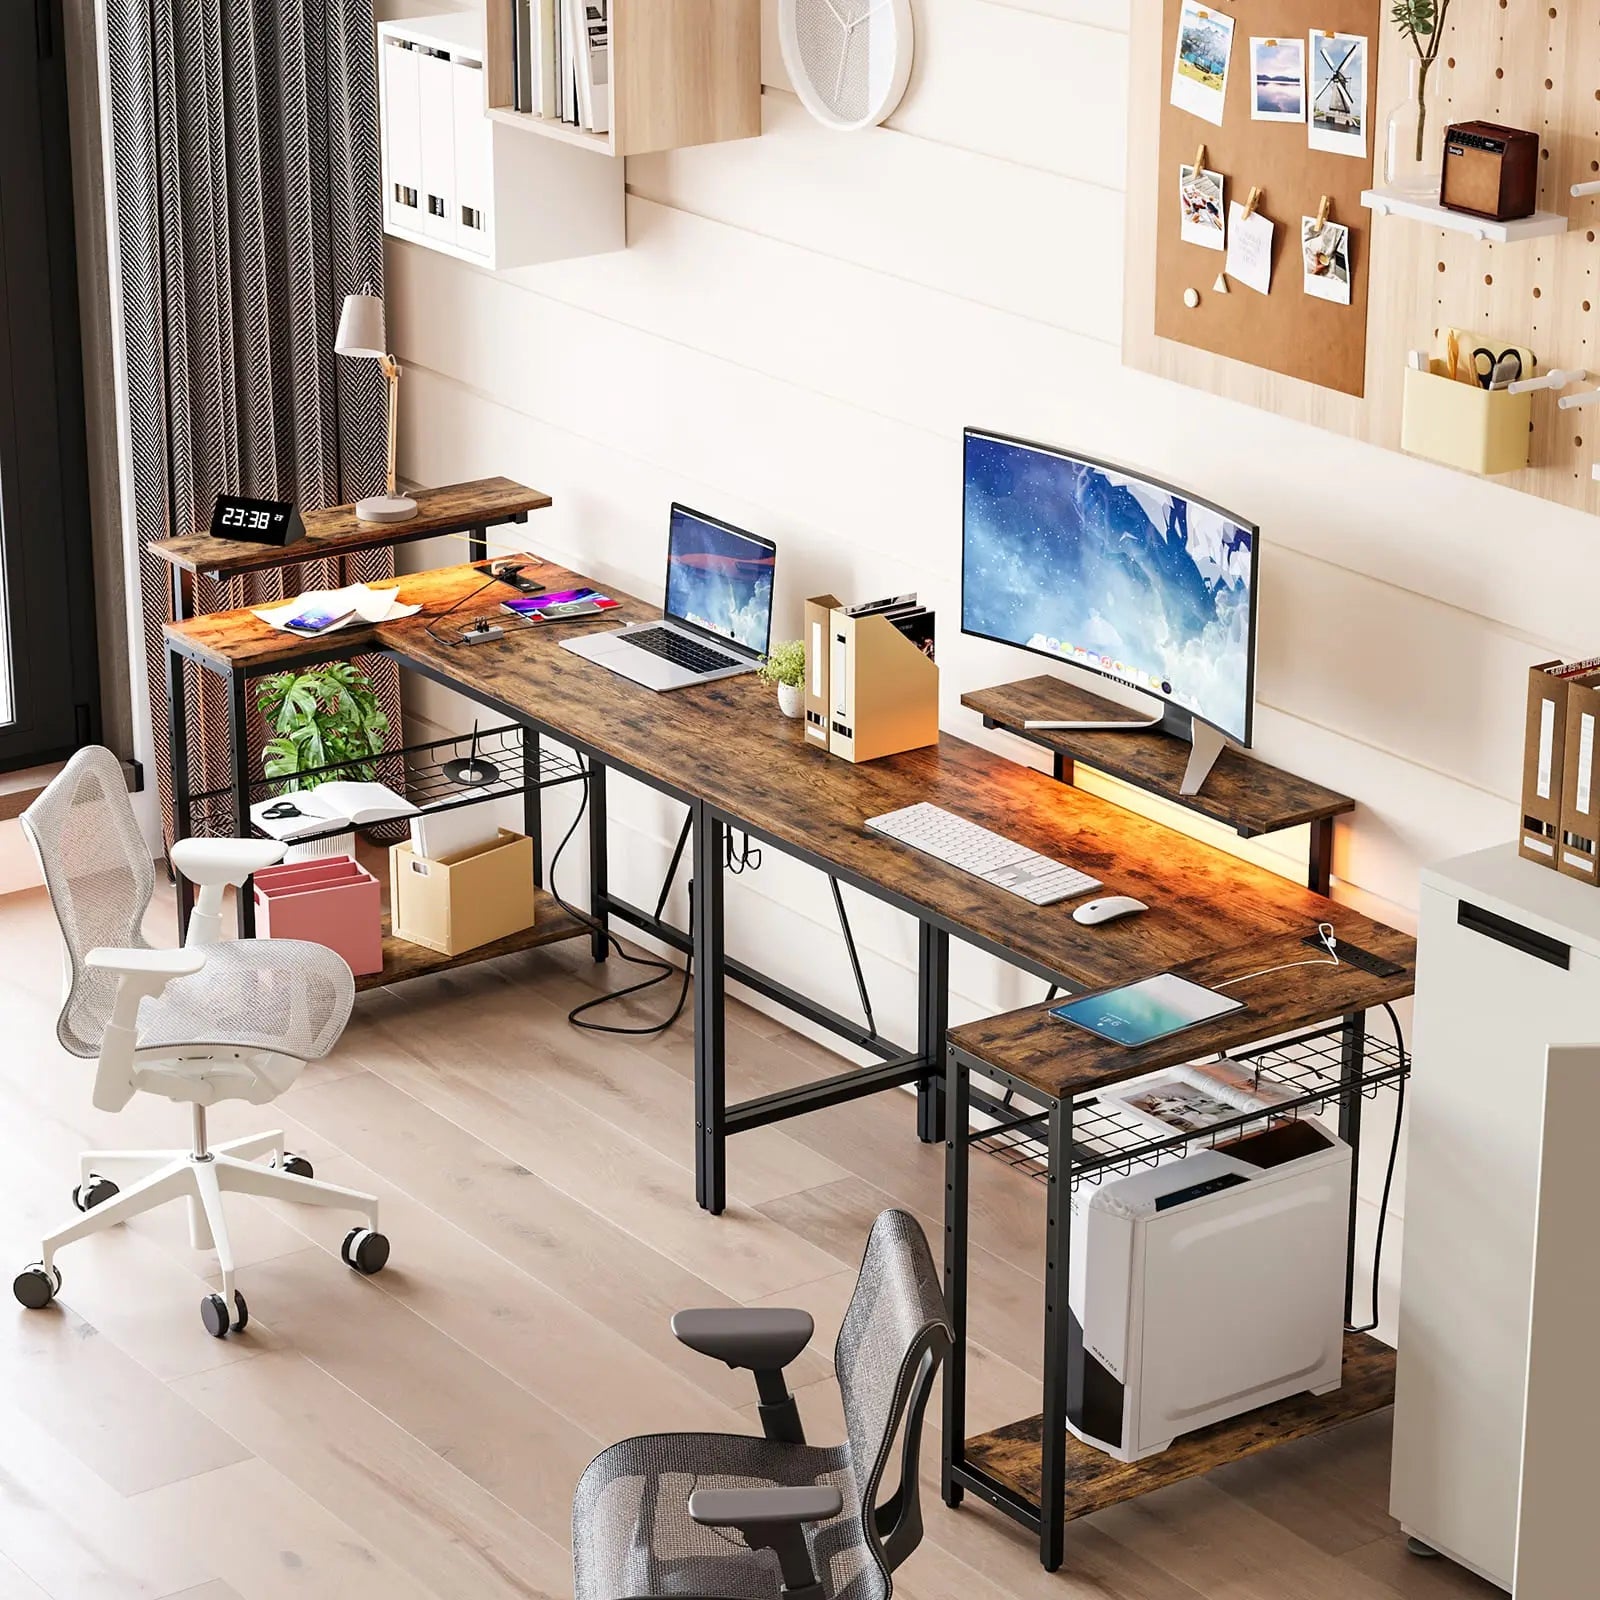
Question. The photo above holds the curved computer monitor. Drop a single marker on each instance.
(1109, 570)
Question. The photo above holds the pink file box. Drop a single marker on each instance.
(335, 902)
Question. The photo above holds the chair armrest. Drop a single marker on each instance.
(759, 1338)
(146, 965)
(217, 862)
(764, 1508)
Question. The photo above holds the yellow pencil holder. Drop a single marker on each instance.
(1463, 425)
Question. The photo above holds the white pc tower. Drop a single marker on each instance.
(1206, 1287)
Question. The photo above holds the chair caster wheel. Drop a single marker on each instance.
(295, 1166)
(94, 1193)
(1423, 1552)
(365, 1250)
(35, 1287)
(214, 1313)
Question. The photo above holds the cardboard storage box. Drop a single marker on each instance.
(464, 901)
(334, 902)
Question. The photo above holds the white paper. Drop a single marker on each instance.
(1278, 80)
(1200, 61)
(365, 605)
(1585, 759)
(1337, 66)
(1201, 216)
(1325, 260)
(1250, 249)
(1547, 745)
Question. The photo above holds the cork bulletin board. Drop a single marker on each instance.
(1286, 330)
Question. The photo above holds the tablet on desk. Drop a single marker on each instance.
(1142, 1012)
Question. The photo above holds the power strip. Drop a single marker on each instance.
(482, 633)
(1352, 955)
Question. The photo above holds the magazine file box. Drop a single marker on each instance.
(335, 902)
(883, 692)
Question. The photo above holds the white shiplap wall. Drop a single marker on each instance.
(800, 328)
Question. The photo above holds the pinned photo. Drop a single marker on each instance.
(1249, 248)
(1338, 121)
(1326, 251)
(1203, 220)
(1278, 80)
(1200, 67)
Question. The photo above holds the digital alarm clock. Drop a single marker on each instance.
(256, 521)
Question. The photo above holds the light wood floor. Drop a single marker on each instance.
(419, 1434)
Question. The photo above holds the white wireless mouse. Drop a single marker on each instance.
(1108, 909)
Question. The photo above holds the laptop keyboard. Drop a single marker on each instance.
(681, 652)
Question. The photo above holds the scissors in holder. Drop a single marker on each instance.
(1496, 371)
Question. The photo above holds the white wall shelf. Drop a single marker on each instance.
(1386, 202)
(460, 182)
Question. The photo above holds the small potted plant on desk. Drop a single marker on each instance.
(785, 665)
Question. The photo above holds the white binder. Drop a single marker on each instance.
(474, 210)
(436, 100)
(402, 131)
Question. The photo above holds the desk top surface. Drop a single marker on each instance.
(726, 743)
(337, 530)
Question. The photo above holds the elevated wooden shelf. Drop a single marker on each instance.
(683, 72)
(1012, 1455)
(1387, 202)
(402, 959)
(1242, 793)
(337, 531)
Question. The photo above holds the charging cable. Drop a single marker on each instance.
(1324, 932)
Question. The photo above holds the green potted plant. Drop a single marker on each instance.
(785, 665)
(321, 717)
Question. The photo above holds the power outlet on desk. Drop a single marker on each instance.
(1352, 955)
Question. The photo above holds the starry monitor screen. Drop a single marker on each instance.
(1109, 571)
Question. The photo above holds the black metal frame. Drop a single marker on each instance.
(1065, 1165)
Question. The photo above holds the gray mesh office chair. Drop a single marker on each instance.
(711, 1516)
(209, 1022)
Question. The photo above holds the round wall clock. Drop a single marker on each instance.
(849, 60)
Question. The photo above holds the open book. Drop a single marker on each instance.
(307, 811)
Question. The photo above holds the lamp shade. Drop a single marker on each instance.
(361, 327)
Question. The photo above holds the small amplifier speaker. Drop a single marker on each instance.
(1490, 171)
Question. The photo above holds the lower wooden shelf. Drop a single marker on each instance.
(402, 959)
(1012, 1455)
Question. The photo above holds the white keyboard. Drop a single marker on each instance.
(985, 854)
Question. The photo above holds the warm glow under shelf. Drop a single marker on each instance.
(1388, 203)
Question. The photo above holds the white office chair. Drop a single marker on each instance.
(212, 1021)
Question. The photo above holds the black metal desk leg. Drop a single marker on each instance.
(477, 544)
(1352, 1055)
(1057, 1319)
(933, 1022)
(1062, 767)
(532, 809)
(599, 910)
(1319, 876)
(710, 1063)
(239, 756)
(957, 1156)
(178, 777)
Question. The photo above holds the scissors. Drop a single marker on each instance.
(1496, 371)
(281, 809)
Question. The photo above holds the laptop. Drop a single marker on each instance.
(717, 621)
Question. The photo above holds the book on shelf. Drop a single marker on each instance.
(523, 77)
(303, 811)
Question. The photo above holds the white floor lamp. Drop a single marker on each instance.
(361, 333)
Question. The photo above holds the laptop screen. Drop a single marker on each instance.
(720, 580)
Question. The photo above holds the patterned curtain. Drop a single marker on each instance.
(249, 203)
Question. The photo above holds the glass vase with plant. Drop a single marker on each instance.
(785, 665)
(325, 716)
(1412, 161)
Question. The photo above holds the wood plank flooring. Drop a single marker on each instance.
(416, 1436)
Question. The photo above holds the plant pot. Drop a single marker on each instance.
(791, 699)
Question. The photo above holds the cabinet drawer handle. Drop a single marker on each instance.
(1528, 940)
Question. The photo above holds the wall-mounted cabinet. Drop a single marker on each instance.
(457, 180)
(682, 72)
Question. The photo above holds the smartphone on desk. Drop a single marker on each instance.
(316, 619)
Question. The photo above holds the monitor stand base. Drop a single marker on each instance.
(1206, 745)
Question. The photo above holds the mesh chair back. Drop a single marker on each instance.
(98, 870)
(896, 1316)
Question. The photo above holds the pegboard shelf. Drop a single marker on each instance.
(1387, 203)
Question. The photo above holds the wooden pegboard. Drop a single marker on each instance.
(1528, 63)
(1287, 331)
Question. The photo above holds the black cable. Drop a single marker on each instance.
(1388, 1179)
(663, 969)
